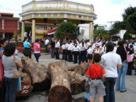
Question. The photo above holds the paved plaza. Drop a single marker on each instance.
(129, 96)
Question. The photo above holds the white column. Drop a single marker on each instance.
(91, 29)
(3, 35)
(3, 24)
(22, 30)
(33, 30)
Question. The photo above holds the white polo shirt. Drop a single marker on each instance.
(63, 46)
(57, 45)
(90, 50)
(110, 61)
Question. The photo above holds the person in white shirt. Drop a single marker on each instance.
(70, 49)
(89, 54)
(111, 61)
(46, 43)
(57, 47)
(66, 51)
(63, 47)
(83, 52)
(75, 52)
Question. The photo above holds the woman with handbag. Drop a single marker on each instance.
(11, 73)
(130, 57)
(121, 80)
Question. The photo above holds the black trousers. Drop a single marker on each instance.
(76, 55)
(57, 53)
(70, 56)
(109, 88)
(27, 52)
(66, 55)
(2, 91)
(37, 55)
(83, 56)
(130, 67)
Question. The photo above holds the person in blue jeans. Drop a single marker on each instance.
(122, 51)
(10, 63)
(121, 86)
(111, 61)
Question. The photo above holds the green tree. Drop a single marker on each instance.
(100, 32)
(131, 23)
(129, 18)
(128, 23)
(66, 30)
(116, 27)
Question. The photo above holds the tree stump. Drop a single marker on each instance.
(60, 88)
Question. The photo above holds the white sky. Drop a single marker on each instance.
(106, 10)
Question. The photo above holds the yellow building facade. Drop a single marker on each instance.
(47, 14)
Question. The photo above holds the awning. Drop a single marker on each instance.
(51, 32)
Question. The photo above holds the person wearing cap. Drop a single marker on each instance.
(111, 61)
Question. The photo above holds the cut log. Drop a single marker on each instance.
(77, 82)
(75, 77)
(60, 88)
(26, 85)
(38, 72)
(80, 69)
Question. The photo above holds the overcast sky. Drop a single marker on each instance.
(106, 10)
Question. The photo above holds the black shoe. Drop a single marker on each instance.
(123, 91)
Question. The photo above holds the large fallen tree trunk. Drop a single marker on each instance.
(38, 72)
(77, 82)
(80, 69)
(60, 88)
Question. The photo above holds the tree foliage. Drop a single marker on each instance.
(128, 23)
(100, 32)
(66, 30)
(129, 18)
(116, 27)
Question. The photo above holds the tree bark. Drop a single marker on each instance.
(80, 69)
(77, 82)
(39, 73)
(60, 88)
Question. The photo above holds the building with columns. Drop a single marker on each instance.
(9, 25)
(42, 16)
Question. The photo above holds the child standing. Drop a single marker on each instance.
(96, 72)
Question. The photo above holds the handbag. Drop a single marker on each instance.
(130, 57)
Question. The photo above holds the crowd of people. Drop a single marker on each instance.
(116, 60)
(109, 63)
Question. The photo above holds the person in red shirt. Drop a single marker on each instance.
(96, 72)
